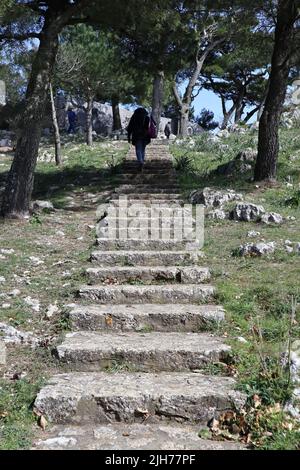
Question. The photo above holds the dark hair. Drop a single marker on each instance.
(140, 111)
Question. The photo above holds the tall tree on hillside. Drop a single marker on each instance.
(243, 88)
(268, 143)
(157, 41)
(92, 52)
(210, 28)
(42, 20)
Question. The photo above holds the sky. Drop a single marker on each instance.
(207, 99)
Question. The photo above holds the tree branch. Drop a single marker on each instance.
(19, 37)
(176, 94)
(194, 96)
(199, 64)
(223, 105)
(250, 114)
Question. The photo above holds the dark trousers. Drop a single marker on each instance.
(140, 148)
(72, 128)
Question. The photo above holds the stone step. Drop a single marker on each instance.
(135, 210)
(107, 244)
(157, 170)
(156, 198)
(131, 209)
(137, 294)
(146, 317)
(157, 203)
(129, 437)
(161, 219)
(145, 258)
(156, 165)
(133, 170)
(152, 187)
(183, 275)
(133, 232)
(99, 397)
(158, 157)
(146, 189)
(164, 177)
(150, 165)
(157, 351)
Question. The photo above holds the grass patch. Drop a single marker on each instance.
(60, 243)
(16, 415)
(256, 293)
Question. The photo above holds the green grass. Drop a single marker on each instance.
(256, 293)
(16, 415)
(85, 172)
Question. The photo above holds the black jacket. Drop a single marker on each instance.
(138, 127)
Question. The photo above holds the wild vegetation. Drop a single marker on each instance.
(261, 295)
(158, 54)
(59, 243)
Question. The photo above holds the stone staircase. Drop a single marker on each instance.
(134, 362)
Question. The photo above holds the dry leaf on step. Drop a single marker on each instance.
(257, 401)
(43, 422)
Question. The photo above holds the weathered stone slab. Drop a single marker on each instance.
(149, 189)
(128, 397)
(130, 437)
(2, 353)
(163, 177)
(164, 317)
(214, 198)
(257, 249)
(153, 198)
(184, 275)
(145, 258)
(247, 212)
(156, 351)
(148, 200)
(145, 245)
(136, 294)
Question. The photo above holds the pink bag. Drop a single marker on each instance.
(152, 131)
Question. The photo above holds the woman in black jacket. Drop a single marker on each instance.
(138, 133)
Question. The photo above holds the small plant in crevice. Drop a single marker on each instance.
(35, 220)
(293, 200)
(64, 323)
(113, 165)
(184, 164)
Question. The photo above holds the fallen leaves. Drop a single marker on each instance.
(109, 321)
(257, 401)
(145, 413)
(41, 420)
(252, 426)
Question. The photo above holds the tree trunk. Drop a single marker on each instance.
(250, 114)
(117, 124)
(239, 111)
(226, 114)
(184, 120)
(261, 110)
(268, 142)
(184, 103)
(157, 97)
(58, 159)
(20, 180)
(89, 121)
(226, 119)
